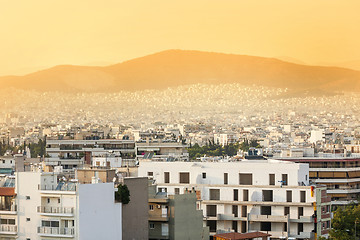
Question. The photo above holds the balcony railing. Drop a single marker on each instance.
(56, 231)
(12, 208)
(55, 210)
(64, 187)
(8, 228)
(158, 217)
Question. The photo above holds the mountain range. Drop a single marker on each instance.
(173, 68)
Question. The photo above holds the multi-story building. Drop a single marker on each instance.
(42, 207)
(175, 216)
(251, 195)
(74, 153)
(341, 175)
(160, 150)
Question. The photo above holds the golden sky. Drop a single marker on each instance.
(42, 33)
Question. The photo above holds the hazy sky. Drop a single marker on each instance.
(41, 33)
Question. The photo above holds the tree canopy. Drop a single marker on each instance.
(343, 223)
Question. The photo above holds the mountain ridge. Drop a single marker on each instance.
(171, 68)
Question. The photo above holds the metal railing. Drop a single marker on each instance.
(8, 228)
(60, 210)
(56, 231)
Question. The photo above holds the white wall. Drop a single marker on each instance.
(99, 215)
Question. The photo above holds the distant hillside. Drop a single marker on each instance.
(178, 67)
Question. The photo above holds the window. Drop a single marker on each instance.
(284, 179)
(27, 197)
(243, 227)
(28, 219)
(265, 210)
(300, 228)
(245, 195)
(212, 225)
(211, 210)
(236, 195)
(300, 212)
(177, 190)
(166, 177)
(285, 227)
(271, 179)
(235, 210)
(46, 223)
(288, 196)
(152, 226)
(48, 200)
(185, 177)
(162, 189)
(265, 226)
(244, 211)
(214, 194)
(234, 226)
(302, 196)
(7, 221)
(151, 207)
(286, 211)
(245, 178)
(150, 174)
(267, 195)
(204, 175)
(58, 200)
(225, 178)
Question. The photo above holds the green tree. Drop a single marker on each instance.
(343, 223)
(122, 194)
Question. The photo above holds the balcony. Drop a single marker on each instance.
(8, 229)
(281, 235)
(229, 217)
(56, 232)
(267, 218)
(56, 211)
(303, 219)
(158, 217)
(8, 209)
(62, 186)
(304, 235)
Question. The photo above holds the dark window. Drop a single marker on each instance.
(204, 175)
(244, 211)
(300, 212)
(302, 196)
(284, 179)
(167, 177)
(185, 177)
(288, 196)
(211, 210)
(212, 225)
(265, 210)
(28, 219)
(234, 226)
(285, 227)
(267, 195)
(150, 174)
(286, 211)
(236, 195)
(265, 226)
(48, 200)
(245, 195)
(245, 178)
(214, 194)
(300, 228)
(243, 227)
(225, 178)
(235, 210)
(271, 179)
(177, 190)
(27, 197)
(58, 200)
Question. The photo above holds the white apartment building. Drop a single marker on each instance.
(41, 207)
(251, 195)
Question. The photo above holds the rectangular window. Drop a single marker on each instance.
(185, 177)
(300, 212)
(151, 207)
(28, 219)
(245, 178)
(48, 200)
(302, 196)
(244, 211)
(286, 211)
(214, 194)
(150, 174)
(271, 179)
(236, 195)
(245, 195)
(243, 227)
(265, 210)
(300, 228)
(152, 226)
(265, 226)
(267, 195)
(58, 200)
(211, 210)
(284, 179)
(177, 190)
(27, 197)
(285, 227)
(166, 177)
(212, 225)
(46, 223)
(204, 175)
(234, 226)
(225, 178)
(288, 196)
(235, 210)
